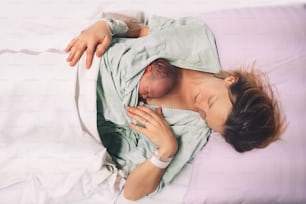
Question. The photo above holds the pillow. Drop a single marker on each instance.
(274, 38)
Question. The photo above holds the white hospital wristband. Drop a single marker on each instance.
(160, 162)
(117, 27)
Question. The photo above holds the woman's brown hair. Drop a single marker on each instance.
(255, 120)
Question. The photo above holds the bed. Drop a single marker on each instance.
(49, 146)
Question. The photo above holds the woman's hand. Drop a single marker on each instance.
(95, 39)
(146, 177)
(156, 128)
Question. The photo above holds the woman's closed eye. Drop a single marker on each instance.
(211, 101)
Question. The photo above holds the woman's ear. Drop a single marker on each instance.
(231, 80)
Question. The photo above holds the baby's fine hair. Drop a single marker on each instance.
(161, 68)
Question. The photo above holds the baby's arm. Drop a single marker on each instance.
(96, 39)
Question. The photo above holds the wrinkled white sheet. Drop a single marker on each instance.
(46, 154)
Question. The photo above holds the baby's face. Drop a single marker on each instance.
(149, 88)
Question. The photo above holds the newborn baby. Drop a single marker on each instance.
(158, 79)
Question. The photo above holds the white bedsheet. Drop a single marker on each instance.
(46, 156)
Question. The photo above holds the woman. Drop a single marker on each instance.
(235, 104)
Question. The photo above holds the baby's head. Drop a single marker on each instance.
(158, 79)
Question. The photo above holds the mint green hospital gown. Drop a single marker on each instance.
(187, 43)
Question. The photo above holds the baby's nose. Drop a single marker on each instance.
(144, 96)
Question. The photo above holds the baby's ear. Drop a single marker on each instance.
(148, 69)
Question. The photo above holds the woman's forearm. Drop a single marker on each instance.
(96, 39)
(142, 181)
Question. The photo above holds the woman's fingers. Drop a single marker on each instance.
(140, 129)
(139, 115)
(78, 47)
(89, 55)
(94, 39)
(102, 47)
(143, 114)
(155, 128)
(69, 48)
(74, 49)
(70, 45)
(78, 52)
(70, 56)
(151, 120)
(149, 114)
(149, 128)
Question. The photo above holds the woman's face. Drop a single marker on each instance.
(213, 101)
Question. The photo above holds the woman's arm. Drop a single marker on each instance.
(144, 179)
(136, 30)
(96, 39)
